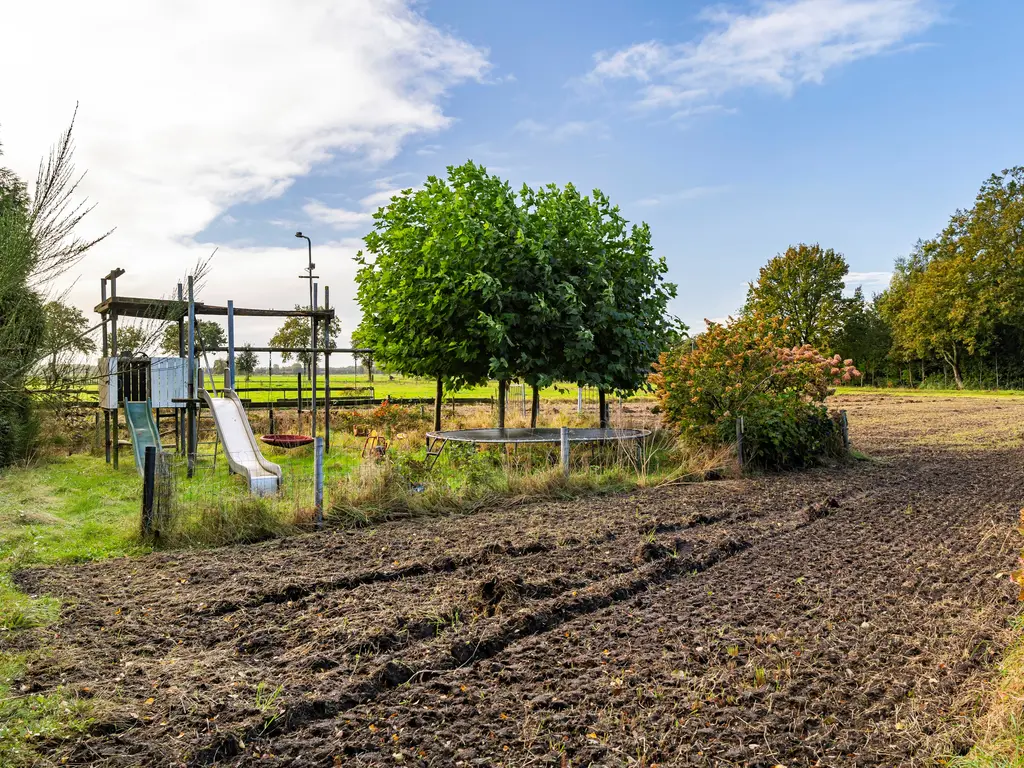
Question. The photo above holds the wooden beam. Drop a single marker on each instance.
(294, 350)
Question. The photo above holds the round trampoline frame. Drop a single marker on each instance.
(538, 435)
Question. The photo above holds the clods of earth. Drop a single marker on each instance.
(846, 616)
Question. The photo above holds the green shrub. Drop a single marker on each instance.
(738, 370)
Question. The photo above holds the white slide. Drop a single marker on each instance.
(244, 456)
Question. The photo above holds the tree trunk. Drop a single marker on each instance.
(957, 375)
(502, 386)
(535, 407)
(953, 359)
(602, 407)
(437, 404)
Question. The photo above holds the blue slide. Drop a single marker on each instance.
(142, 426)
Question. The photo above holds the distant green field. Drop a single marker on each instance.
(285, 387)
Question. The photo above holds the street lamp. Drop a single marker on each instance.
(312, 330)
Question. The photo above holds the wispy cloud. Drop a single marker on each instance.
(562, 131)
(872, 280)
(339, 218)
(777, 45)
(186, 147)
(682, 195)
(429, 149)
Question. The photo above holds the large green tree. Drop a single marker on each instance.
(803, 287)
(22, 322)
(64, 340)
(954, 294)
(624, 299)
(430, 281)
(38, 241)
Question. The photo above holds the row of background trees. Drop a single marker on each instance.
(953, 314)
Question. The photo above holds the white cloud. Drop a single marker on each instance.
(428, 149)
(562, 131)
(187, 109)
(777, 45)
(690, 193)
(868, 280)
(339, 218)
(382, 197)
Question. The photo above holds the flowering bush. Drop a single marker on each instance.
(737, 370)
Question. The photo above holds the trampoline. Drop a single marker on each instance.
(538, 435)
(436, 441)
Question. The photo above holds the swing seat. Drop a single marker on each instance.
(286, 441)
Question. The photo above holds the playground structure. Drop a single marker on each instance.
(151, 389)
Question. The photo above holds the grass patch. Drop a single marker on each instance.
(62, 511)
(26, 718)
(999, 733)
(467, 480)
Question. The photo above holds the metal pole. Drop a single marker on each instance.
(231, 345)
(564, 436)
(312, 362)
(190, 428)
(179, 414)
(318, 480)
(117, 371)
(327, 372)
(579, 399)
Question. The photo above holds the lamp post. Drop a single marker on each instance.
(312, 330)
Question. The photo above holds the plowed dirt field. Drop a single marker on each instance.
(838, 617)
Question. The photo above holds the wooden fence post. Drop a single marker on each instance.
(148, 488)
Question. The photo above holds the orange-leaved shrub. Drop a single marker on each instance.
(739, 369)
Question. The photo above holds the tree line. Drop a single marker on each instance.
(465, 280)
(952, 313)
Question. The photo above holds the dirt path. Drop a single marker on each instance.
(842, 616)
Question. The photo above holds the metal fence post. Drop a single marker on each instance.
(318, 481)
(739, 440)
(148, 487)
(846, 432)
(564, 435)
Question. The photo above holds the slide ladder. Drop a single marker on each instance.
(142, 427)
(240, 447)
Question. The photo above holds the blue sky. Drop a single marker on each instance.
(734, 129)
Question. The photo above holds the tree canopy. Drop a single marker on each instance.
(209, 333)
(953, 294)
(64, 338)
(463, 281)
(803, 287)
(245, 361)
(295, 332)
